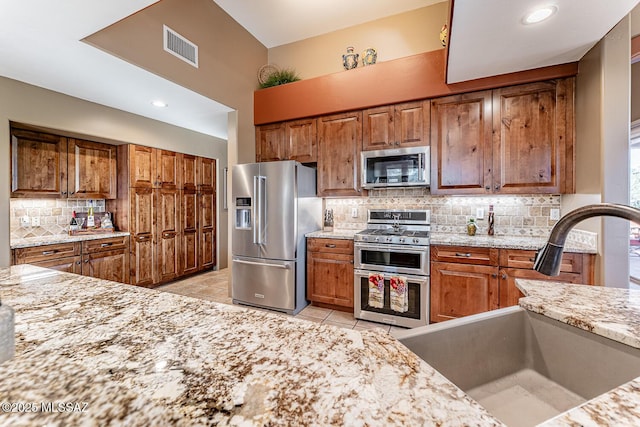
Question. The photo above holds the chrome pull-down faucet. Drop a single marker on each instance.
(549, 258)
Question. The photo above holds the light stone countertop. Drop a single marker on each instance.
(579, 243)
(62, 238)
(610, 312)
(141, 357)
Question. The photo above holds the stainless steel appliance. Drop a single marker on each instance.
(274, 205)
(397, 167)
(396, 243)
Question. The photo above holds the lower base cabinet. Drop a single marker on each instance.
(468, 280)
(330, 272)
(106, 258)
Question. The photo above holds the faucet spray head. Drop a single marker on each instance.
(549, 259)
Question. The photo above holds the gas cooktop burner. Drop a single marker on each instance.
(396, 227)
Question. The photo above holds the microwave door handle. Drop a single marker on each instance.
(421, 161)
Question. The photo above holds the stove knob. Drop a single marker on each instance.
(401, 240)
(416, 240)
(389, 239)
(365, 239)
(377, 239)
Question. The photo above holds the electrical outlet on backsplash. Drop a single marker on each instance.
(521, 215)
(54, 215)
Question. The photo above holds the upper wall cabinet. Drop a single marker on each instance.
(46, 165)
(293, 140)
(153, 168)
(512, 140)
(339, 149)
(396, 126)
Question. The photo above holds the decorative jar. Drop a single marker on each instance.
(350, 59)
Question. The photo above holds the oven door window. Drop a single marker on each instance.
(391, 259)
(414, 299)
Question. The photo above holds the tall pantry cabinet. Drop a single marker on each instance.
(159, 203)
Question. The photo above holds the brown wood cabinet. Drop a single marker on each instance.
(105, 258)
(47, 165)
(464, 281)
(270, 146)
(515, 264)
(330, 279)
(167, 201)
(511, 140)
(293, 140)
(339, 146)
(396, 126)
(468, 280)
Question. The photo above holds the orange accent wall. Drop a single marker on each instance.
(635, 49)
(406, 79)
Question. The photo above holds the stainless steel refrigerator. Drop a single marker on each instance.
(274, 206)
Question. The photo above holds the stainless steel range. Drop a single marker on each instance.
(392, 268)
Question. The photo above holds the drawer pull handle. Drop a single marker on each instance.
(532, 259)
(49, 252)
(467, 255)
(504, 276)
(330, 245)
(104, 245)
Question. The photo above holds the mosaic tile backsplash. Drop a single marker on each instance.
(54, 215)
(522, 215)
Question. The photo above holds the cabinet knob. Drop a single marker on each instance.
(494, 275)
(73, 192)
(78, 262)
(497, 187)
(487, 188)
(64, 193)
(86, 261)
(504, 276)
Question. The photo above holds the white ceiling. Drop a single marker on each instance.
(488, 38)
(40, 44)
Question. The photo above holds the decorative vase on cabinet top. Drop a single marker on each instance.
(350, 59)
(369, 56)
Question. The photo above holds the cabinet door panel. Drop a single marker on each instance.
(339, 154)
(107, 265)
(168, 169)
(206, 238)
(189, 224)
(67, 265)
(142, 211)
(301, 140)
(412, 124)
(206, 173)
(143, 260)
(528, 140)
(38, 164)
(461, 158)
(168, 236)
(509, 292)
(270, 143)
(459, 290)
(378, 128)
(142, 170)
(189, 172)
(92, 170)
(330, 278)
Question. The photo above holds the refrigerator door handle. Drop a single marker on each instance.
(262, 191)
(285, 267)
(256, 209)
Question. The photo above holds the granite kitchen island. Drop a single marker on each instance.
(115, 354)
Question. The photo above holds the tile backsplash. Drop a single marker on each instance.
(521, 215)
(54, 215)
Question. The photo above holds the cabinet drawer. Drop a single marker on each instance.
(112, 243)
(336, 246)
(46, 252)
(515, 258)
(465, 255)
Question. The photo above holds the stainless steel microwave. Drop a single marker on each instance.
(397, 167)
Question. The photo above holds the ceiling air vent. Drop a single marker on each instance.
(178, 46)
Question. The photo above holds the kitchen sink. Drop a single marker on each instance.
(523, 367)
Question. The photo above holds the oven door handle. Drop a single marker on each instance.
(387, 276)
(391, 248)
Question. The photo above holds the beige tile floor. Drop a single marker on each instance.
(213, 286)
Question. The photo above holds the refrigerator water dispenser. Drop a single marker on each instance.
(243, 213)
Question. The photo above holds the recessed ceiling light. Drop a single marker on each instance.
(159, 104)
(539, 15)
